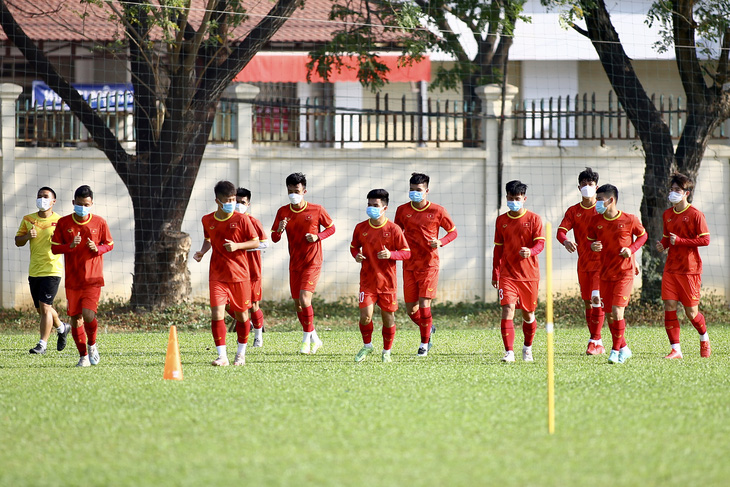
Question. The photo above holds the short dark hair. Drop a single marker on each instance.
(46, 188)
(516, 188)
(224, 189)
(84, 192)
(588, 175)
(683, 181)
(243, 193)
(610, 190)
(295, 179)
(419, 178)
(379, 194)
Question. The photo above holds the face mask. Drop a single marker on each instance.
(416, 196)
(295, 198)
(241, 208)
(601, 207)
(675, 197)
(43, 204)
(228, 207)
(82, 211)
(374, 212)
(514, 205)
(588, 191)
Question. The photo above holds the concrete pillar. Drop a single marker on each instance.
(244, 94)
(9, 268)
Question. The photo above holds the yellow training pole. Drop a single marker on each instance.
(549, 328)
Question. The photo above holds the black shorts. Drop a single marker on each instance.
(43, 289)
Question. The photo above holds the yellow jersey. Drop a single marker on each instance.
(43, 262)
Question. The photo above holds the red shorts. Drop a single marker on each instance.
(523, 294)
(616, 293)
(386, 301)
(684, 288)
(420, 284)
(256, 291)
(82, 298)
(237, 294)
(304, 280)
(588, 282)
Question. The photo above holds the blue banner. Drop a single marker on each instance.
(102, 97)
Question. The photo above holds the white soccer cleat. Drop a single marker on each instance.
(220, 362)
(305, 348)
(509, 356)
(258, 342)
(316, 345)
(527, 354)
(93, 354)
(240, 359)
(84, 362)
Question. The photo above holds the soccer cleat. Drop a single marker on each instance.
(386, 357)
(364, 352)
(316, 346)
(527, 354)
(613, 357)
(63, 337)
(674, 354)
(240, 359)
(258, 342)
(305, 348)
(93, 354)
(595, 349)
(220, 362)
(422, 351)
(84, 362)
(624, 354)
(509, 356)
(430, 337)
(705, 349)
(37, 350)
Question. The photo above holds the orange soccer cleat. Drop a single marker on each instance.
(674, 354)
(705, 349)
(595, 349)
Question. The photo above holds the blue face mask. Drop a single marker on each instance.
(374, 212)
(228, 207)
(416, 196)
(514, 205)
(82, 211)
(601, 206)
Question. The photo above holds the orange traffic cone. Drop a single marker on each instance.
(173, 367)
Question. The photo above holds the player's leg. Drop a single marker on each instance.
(367, 306)
(257, 319)
(529, 328)
(89, 303)
(388, 333)
(427, 285)
(307, 321)
(243, 327)
(218, 329)
(425, 326)
(44, 330)
(508, 297)
(597, 317)
(74, 297)
(410, 296)
(617, 313)
(690, 298)
(671, 325)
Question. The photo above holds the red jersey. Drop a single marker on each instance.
(615, 234)
(687, 224)
(378, 275)
(228, 266)
(84, 267)
(254, 256)
(420, 226)
(513, 233)
(303, 254)
(578, 218)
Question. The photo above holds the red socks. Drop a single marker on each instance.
(416, 317)
(258, 319)
(595, 322)
(671, 324)
(218, 327)
(306, 318)
(425, 324)
(367, 332)
(529, 330)
(79, 335)
(618, 331)
(388, 337)
(507, 327)
(91, 328)
(699, 324)
(242, 330)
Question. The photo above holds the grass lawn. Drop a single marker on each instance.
(457, 417)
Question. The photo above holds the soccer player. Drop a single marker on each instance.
(228, 234)
(306, 225)
(685, 229)
(420, 220)
(83, 238)
(376, 244)
(518, 240)
(617, 236)
(578, 217)
(44, 274)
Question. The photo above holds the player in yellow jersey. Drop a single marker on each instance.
(44, 274)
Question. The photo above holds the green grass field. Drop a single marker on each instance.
(458, 417)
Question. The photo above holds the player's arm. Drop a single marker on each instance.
(106, 244)
(640, 240)
(232, 246)
(263, 238)
(198, 256)
(447, 224)
(356, 248)
(277, 229)
(497, 262)
(24, 233)
(325, 221)
(538, 242)
(403, 254)
(59, 246)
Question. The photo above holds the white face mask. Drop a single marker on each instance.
(295, 198)
(675, 197)
(588, 191)
(241, 207)
(43, 204)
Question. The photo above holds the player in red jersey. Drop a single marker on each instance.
(577, 218)
(518, 239)
(83, 238)
(617, 236)
(302, 222)
(228, 234)
(420, 220)
(685, 229)
(376, 244)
